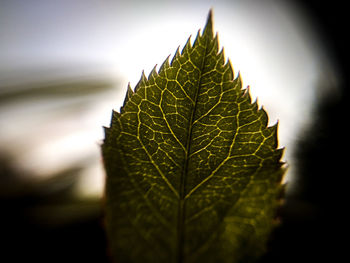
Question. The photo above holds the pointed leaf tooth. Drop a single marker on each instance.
(228, 72)
(277, 125)
(216, 44)
(187, 46)
(143, 77)
(141, 82)
(138, 85)
(114, 118)
(153, 74)
(195, 44)
(279, 153)
(115, 115)
(176, 56)
(164, 65)
(221, 57)
(128, 95)
(238, 79)
(271, 134)
(246, 94)
(129, 87)
(274, 129)
(255, 105)
(264, 117)
(229, 67)
(275, 133)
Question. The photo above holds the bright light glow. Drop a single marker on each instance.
(264, 40)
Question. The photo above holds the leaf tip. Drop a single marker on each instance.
(208, 29)
(210, 16)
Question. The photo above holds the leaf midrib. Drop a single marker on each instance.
(182, 199)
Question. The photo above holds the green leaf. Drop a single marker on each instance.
(193, 173)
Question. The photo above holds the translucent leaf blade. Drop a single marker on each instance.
(193, 173)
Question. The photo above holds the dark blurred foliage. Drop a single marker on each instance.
(314, 225)
(314, 217)
(43, 221)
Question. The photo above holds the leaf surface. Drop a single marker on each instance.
(193, 171)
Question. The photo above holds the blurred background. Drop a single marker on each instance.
(64, 65)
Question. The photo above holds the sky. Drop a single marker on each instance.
(273, 44)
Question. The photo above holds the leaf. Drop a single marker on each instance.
(193, 173)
